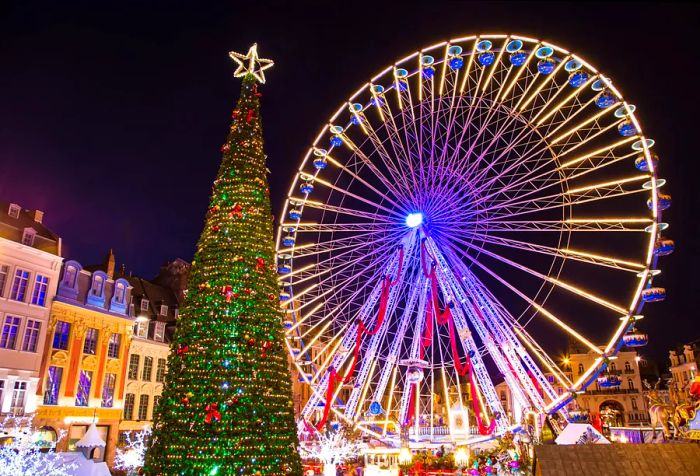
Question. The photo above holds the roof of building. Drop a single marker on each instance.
(12, 228)
(617, 459)
(91, 439)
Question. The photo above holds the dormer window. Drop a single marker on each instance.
(28, 236)
(144, 304)
(98, 285)
(119, 293)
(159, 331)
(163, 310)
(69, 276)
(14, 210)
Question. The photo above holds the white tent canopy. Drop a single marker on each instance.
(580, 433)
(91, 439)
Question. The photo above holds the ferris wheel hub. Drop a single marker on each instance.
(414, 220)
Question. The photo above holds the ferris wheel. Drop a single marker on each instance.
(471, 209)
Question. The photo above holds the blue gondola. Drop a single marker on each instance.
(428, 72)
(457, 62)
(663, 202)
(605, 99)
(284, 268)
(546, 66)
(577, 416)
(289, 240)
(642, 164)
(634, 338)
(653, 294)
(608, 381)
(295, 213)
(486, 58)
(664, 247)
(336, 141)
(284, 296)
(287, 324)
(518, 58)
(627, 129)
(306, 188)
(320, 162)
(578, 79)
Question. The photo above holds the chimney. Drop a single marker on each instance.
(38, 216)
(109, 264)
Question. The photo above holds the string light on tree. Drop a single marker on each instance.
(227, 403)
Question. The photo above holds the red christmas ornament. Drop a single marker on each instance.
(235, 114)
(248, 291)
(249, 117)
(236, 211)
(213, 413)
(185, 401)
(265, 347)
(225, 148)
(215, 227)
(259, 264)
(271, 297)
(182, 350)
(251, 341)
(227, 291)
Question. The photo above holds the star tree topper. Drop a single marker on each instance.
(251, 64)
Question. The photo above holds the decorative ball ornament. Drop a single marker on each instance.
(212, 413)
(267, 345)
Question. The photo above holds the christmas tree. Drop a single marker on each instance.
(227, 403)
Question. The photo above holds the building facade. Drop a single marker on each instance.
(623, 404)
(84, 367)
(684, 367)
(30, 263)
(155, 308)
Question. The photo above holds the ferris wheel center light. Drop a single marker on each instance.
(414, 219)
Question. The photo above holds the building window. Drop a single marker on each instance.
(630, 384)
(120, 293)
(4, 272)
(90, 344)
(160, 370)
(108, 390)
(28, 237)
(41, 286)
(143, 407)
(18, 396)
(628, 367)
(98, 285)
(634, 404)
(14, 210)
(31, 336)
(129, 400)
(580, 369)
(115, 341)
(9, 332)
(147, 369)
(156, 401)
(134, 366)
(613, 367)
(69, 276)
(144, 304)
(176, 313)
(163, 310)
(141, 328)
(84, 383)
(2, 389)
(159, 332)
(61, 335)
(53, 385)
(19, 285)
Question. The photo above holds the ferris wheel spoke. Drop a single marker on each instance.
(311, 227)
(320, 247)
(357, 197)
(571, 224)
(557, 282)
(378, 218)
(569, 198)
(542, 356)
(539, 121)
(524, 101)
(540, 309)
(522, 69)
(581, 256)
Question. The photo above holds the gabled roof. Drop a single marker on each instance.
(13, 228)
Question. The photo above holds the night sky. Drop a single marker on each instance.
(111, 117)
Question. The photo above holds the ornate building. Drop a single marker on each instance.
(684, 367)
(624, 400)
(30, 263)
(84, 367)
(155, 308)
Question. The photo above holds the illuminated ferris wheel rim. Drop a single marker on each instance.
(411, 66)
